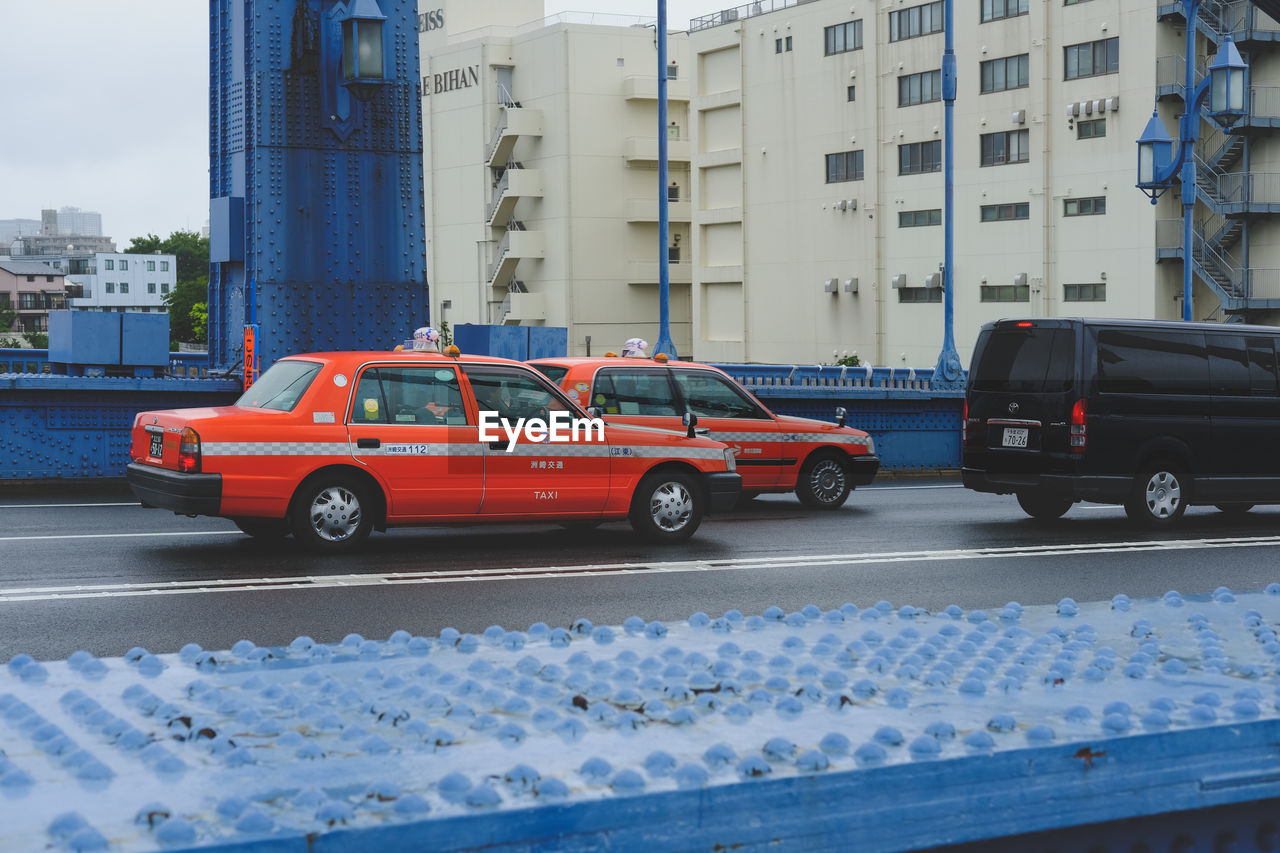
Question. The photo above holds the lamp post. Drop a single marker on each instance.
(1158, 162)
(664, 344)
(362, 70)
(947, 372)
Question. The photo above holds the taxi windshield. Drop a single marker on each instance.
(281, 386)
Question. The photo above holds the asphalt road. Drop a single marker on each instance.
(98, 572)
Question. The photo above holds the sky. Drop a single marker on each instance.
(105, 107)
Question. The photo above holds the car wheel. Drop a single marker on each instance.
(824, 482)
(667, 507)
(1234, 509)
(263, 528)
(1043, 507)
(1159, 496)
(331, 514)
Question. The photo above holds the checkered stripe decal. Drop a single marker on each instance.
(764, 437)
(680, 452)
(557, 449)
(275, 448)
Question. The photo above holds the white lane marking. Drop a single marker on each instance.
(65, 506)
(48, 593)
(118, 535)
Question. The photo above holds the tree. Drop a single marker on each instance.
(182, 302)
(8, 316)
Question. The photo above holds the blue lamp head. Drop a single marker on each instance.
(1228, 82)
(362, 62)
(1155, 154)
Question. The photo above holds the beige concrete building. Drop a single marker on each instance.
(806, 151)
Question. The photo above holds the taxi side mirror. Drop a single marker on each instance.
(841, 415)
(690, 421)
(595, 411)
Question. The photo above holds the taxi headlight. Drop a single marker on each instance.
(871, 445)
(730, 461)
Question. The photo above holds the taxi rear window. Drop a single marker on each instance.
(281, 386)
(554, 372)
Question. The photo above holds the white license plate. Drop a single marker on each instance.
(157, 445)
(1015, 437)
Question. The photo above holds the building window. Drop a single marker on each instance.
(673, 192)
(1010, 146)
(994, 10)
(1073, 2)
(124, 287)
(1005, 293)
(164, 266)
(124, 265)
(673, 71)
(919, 218)
(915, 158)
(1006, 212)
(31, 278)
(111, 287)
(1091, 59)
(843, 38)
(151, 287)
(1010, 72)
(29, 302)
(920, 294)
(916, 21)
(851, 93)
(1084, 292)
(920, 88)
(777, 45)
(1084, 206)
(48, 278)
(108, 264)
(1092, 129)
(164, 287)
(844, 166)
(151, 266)
(788, 42)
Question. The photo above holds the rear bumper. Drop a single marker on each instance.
(1077, 487)
(863, 469)
(187, 494)
(723, 489)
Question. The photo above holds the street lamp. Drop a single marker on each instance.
(1158, 163)
(362, 71)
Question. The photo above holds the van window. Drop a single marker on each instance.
(1228, 365)
(1262, 367)
(1027, 360)
(1152, 362)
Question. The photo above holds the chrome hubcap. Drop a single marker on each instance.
(671, 506)
(827, 480)
(335, 514)
(1164, 494)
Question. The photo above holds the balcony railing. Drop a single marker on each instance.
(746, 10)
(1262, 284)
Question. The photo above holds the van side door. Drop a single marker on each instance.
(1245, 418)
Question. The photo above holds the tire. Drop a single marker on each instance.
(824, 482)
(1043, 507)
(1234, 509)
(1159, 496)
(667, 507)
(263, 528)
(332, 513)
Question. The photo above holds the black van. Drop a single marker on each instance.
(1152, 415)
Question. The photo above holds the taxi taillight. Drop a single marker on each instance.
(189, 452)
(1079, 426)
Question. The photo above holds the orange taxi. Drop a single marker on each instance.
(820, 461)
(328, 446)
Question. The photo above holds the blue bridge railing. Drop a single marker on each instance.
(190, 365)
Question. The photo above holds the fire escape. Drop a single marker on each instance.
(1231, 195)
(511, 182)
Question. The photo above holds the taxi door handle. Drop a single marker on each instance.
(368, 443)
(501, 444)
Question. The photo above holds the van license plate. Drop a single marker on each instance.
(157, 445)
(1015, 437)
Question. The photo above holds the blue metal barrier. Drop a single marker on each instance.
(878, 729)
(915, 427)
(190, 365)
(59, 427)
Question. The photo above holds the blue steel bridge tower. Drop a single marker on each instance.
(315, 176)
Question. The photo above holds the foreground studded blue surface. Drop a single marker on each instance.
(890, 725)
